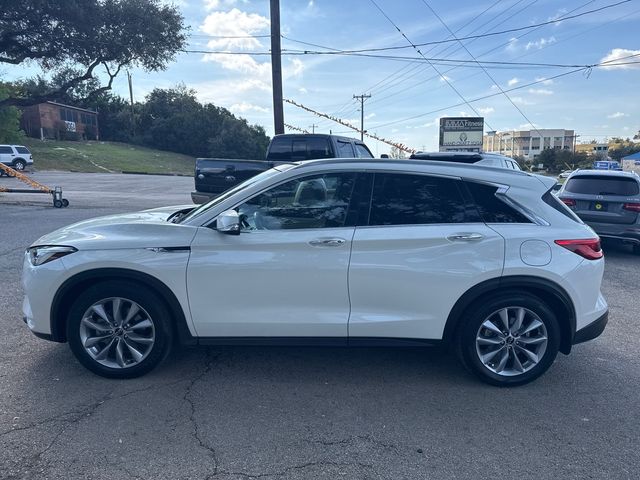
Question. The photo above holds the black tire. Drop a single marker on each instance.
(19, 165)
(65, 202)
(146, 298)
(470, 326)
(57, 203)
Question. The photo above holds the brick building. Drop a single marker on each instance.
(56, 120)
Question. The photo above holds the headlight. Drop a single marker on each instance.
(47, 253)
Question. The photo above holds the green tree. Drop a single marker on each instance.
(74, 38)
(9, 120)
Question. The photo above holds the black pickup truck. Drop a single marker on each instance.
(215, 175)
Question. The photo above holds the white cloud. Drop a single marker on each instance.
(465, 114)
(445, 78)
(494, 87)
(540, 91)
(370, 115)
(486, 110)
(618, 115)
(214, 4)
(244, 107)
(295, 69)
(619, 55)
(512, 46)
(234, 23)
(541, 43)
(513, 81)
(303, 90)
(544, 81)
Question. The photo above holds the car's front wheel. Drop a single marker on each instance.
(510, 339)
(19, 165)
(119, 329)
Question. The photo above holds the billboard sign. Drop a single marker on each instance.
(461, 134)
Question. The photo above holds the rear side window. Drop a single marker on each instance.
(23, 150)
(280, 148)
(491, 208)
(402, 199)
(345, 150)
(363, 151)
(602, 185)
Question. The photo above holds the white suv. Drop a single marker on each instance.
(17, 157)
(330, 252)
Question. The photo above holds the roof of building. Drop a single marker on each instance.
(633, 156)
(71, 106)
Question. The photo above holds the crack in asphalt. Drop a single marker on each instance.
(211, 359)
(85, 410)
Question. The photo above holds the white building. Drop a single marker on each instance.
(528, 143)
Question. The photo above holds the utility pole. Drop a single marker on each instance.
(133, 119)
(313, 127)
(362, 98)
(276, 68)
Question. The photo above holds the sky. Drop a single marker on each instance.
(409, 94)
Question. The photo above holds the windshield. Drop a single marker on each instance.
(223, 196)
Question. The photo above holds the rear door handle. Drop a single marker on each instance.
(327, 242)
(465, 237)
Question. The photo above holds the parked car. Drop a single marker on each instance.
(484, 159)
(566, 173)
(17, 157)
(215, 175)
(608, 201)
(330, 252)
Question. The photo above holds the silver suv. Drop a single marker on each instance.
(608, 201)
(15, 156)
(483, 158)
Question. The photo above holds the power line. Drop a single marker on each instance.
(608, 63)
(432, 65)
(483, 69)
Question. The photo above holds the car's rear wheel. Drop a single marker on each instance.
(119, 329)
(509, 340)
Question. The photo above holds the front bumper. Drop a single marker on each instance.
(593, 330)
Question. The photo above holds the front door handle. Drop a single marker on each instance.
(327, 242)
(465, 237)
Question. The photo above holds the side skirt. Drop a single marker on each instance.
(320, 341)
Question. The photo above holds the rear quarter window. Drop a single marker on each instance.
(23, 150)
(491, 208)
(602, 185)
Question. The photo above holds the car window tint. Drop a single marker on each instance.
(362, 151)
(318, 147)
(280, 148)
(5, 149)
(554, 202)
(318, 201)
(345, 150)
(402, 199)
(491, 208)
(23, 150)
(299, 149)
(602, 185)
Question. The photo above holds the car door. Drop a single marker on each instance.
(423, 247)
(285, 275)
(6, 154)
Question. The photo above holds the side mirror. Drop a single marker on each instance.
(228, 222)
(384, 155)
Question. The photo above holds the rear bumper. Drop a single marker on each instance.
(622, 232)
(593, 330)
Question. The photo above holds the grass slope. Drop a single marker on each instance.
(90, 156)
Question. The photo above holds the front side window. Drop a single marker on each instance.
(318, 201)
(403, 199)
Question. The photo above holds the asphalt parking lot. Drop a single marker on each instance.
(242, 413)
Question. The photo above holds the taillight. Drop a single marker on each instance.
(633, 207)
(569, 202)
(588, 248)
